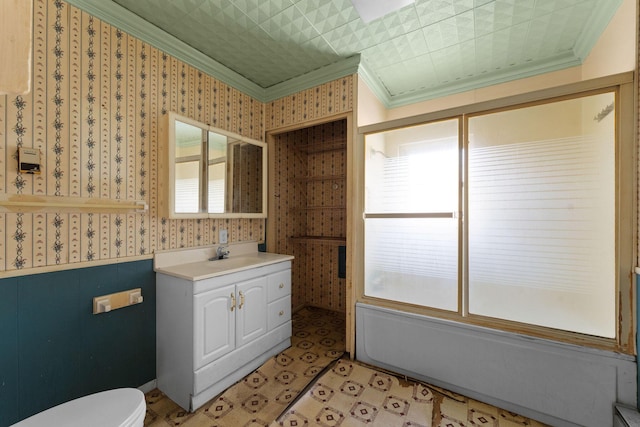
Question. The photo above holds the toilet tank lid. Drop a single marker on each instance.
(111, 408)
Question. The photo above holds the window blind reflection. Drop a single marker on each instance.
(542, 219)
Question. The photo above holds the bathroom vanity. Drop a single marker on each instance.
(218, 320)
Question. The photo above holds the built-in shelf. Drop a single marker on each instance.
(25, 203)
(319, 240)
(322, 178)
(319, 208)
(320, 148)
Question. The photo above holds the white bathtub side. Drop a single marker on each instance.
(555, 383)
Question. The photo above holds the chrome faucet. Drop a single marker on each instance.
(222, 252)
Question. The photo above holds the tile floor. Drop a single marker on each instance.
(309, 384)
(258, 399)
(352, 394)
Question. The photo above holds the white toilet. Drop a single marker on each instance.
(122, 407)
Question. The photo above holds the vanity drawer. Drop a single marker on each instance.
(278, 312)
(278, 285)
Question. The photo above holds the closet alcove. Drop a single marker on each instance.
(308, 211)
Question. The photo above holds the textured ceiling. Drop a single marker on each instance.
(426, 49)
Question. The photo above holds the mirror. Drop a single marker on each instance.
(247, 177)
(214, 173)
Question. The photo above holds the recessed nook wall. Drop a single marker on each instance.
(309, 212)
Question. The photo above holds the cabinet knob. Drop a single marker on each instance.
(281, 285)
(281, 312)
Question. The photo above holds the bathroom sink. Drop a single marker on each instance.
(234, 262)
(207, 268)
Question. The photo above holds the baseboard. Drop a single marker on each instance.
(147, 387)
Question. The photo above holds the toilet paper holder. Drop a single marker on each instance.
(107, 303)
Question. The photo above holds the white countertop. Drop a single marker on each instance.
(193, 264)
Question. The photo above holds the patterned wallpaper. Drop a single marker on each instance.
(329, 99)
(97, 97)
(96, 100)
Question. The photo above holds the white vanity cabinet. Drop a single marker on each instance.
(279, 299)
(228, 317)
(214, 331)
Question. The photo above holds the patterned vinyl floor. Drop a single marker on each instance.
(352, 394)
(309, 384)
(259, 398)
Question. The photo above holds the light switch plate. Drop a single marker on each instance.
(223, 236)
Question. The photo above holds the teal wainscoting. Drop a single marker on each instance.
(53, 349)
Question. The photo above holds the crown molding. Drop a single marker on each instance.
(116, 15)
(562, 61)
(592, 31)
(374, 84)
(314, 78)
(389, 101)
(122, 18)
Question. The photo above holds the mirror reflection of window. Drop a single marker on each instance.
(217, 166)
(187, 169)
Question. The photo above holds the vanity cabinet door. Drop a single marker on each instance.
(251, 318)
(214, 324)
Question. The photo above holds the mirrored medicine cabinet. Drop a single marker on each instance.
(211, 173)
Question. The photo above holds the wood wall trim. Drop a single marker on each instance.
(63, 267)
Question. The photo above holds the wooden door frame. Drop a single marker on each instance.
(352, 177)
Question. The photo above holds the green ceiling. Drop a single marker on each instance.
(272, 48)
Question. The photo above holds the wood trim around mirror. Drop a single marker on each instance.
(233, 194)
